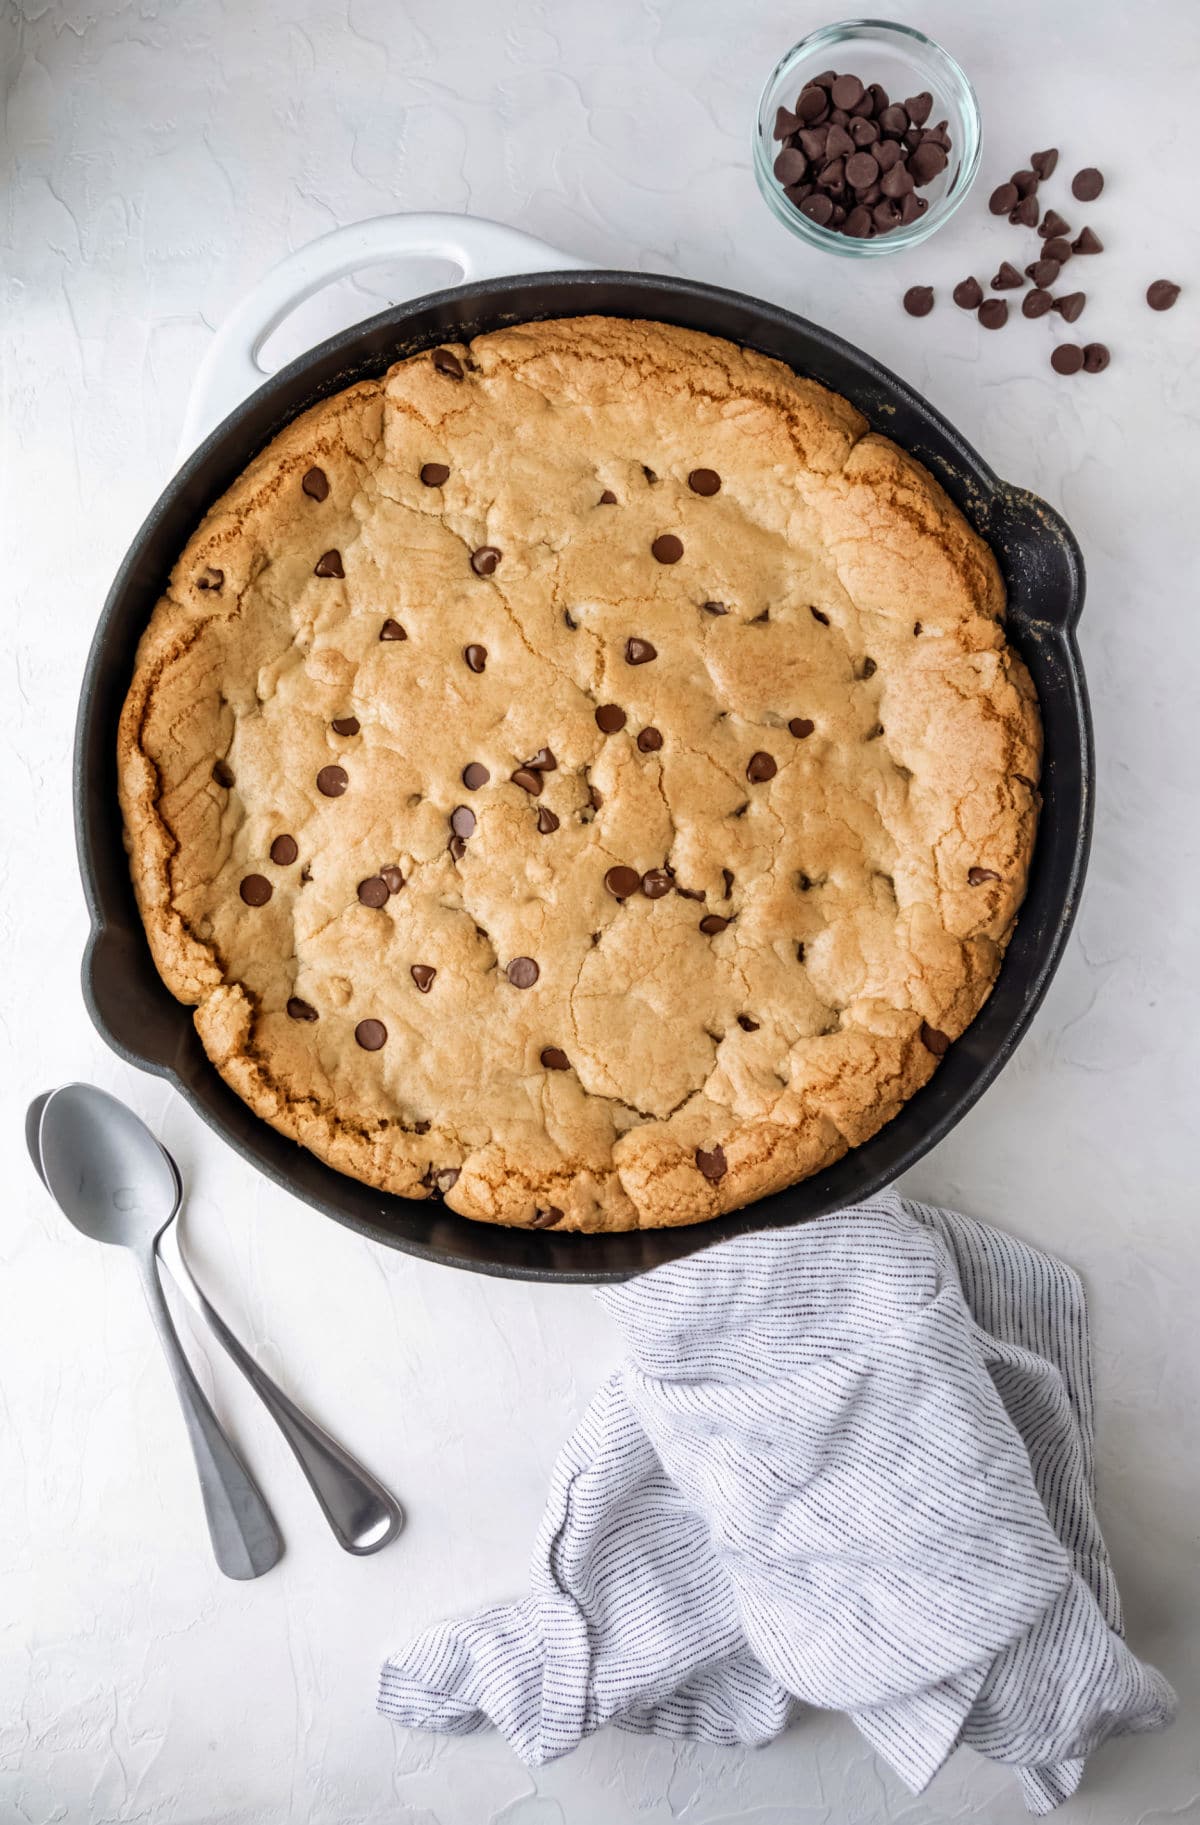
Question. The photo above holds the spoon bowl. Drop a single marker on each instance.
(103, 1166)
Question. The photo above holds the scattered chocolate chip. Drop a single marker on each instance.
(993, 313)
(1095, 358)
(655, 883)
(546, 820)
(392, 630)
(968, 294)
(1004, 198)
(255, 889)
(484, 560)
(934, 1040)
(555, 1059)
(476, 657)
(301, 1010)
(371, 1035)
(667, 548)
(1025, 214)
(222, 773)
(1087, 184)
(610, 718)
(434, 475)
(818, 616)
(329, 564)
(1044, 272)
(345, 725)
(373, 891)
(391, 877)
(1024, 182)
(1067, 358)
(522, 972)
(639, 652)
(423, 975)
(211, 578)
(712, 1163)
(621, 882)
(332, 781)
(977, 876)
(1044, 162)
(315, 484)
(545, 1217)
(747, 1025)
(608, 498)
(284, 851)
(801, 727)
(918, 300)
(462, 821)
(448, 363)
(1053, 226)
(1008, 278)
(1036, 303)
(529, 779)
(649, 741)
(701, 481)
(712, 923)
(1087, 242)
(760, 767)
(1161, 295)
(1070, 305)
(1057, 248)
(474, 775)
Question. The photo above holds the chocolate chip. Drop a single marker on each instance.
(846, 91)
(315, 484)
(555, 1059)
(462, 821)
(700, 481)
(595, 797)
(786, 123)
(329, 564)
(484, 560)
(435, 474)
(760, 767)
(284, 851)
(1053, 226)
(608, 498)
(476, 657)
(655, 883)
(543, 761)
(373, 891)
(861, 170)
(522, 972)
(911, 208)
(621, 882)
(993, 313)
(332, 781)
(1008, 278)
(790, 166)
(728, 878)
(301, 1010)
(446, 362)
(864, 133)
(885, 216)
(1067, 358)
(801, 727)
(255, 889)
(1025, 214)
(570, 620)
(474, 775)
(529, 778)
(1087, 184)
(546, 820)
(371, 1035)
(1095, 358)
(689, 893)
(222, 773)
(714, 608)
(799, 952)
(610, 718)
(927, 162)
(345, 725)
(818, 616)
(1036, 303)
(444, 1179)
(747, 1025)
(1070, 305)
(1161, 295)
(649, 741)
(457, 847)
(712, 1163)
(1044, 162)
(667, 548)
(1044, 272)
(639, 652)
(1004, 198)
(392, 630)
(545, 1217)
(1057, 248)
(918, 300)
(897, 183)
(934, 1040)
(423, 975)
(391, 877)
(977, 876)
(812, 103)
(869, 669)
(1087, 242)
(893, 121)
(210, 578)
(919, 107)
(818, 209)
(968, 294)
(712, 923)
(1025, 182)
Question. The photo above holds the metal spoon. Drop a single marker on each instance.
(363, 1515)
(109, 1177)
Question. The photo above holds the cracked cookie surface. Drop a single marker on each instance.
(581, 776)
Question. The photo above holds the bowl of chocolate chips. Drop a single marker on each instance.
(867, 139)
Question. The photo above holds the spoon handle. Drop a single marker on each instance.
(363, 1515)
(245, 1539)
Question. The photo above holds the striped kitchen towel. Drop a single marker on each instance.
(847, 1464)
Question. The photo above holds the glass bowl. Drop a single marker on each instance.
(905, 62)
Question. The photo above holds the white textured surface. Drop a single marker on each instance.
(156, 158)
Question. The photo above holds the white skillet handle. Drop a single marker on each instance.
(230, 371)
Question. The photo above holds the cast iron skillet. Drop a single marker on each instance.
(1043, 572)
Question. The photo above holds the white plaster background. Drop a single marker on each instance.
(156, 157)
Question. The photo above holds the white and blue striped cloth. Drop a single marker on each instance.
(845, 1465)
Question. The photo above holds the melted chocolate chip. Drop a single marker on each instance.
(712, 1163)
(545, 1217)
(301, 1010)
(223, 773)
(371, 1035)
(555, 1059)
(801, 727)
(284, 851)
(392, 630)
(447, 362)
(423, 975)
(639, 652)
(610, 718)
(485, 559)
(373, 891)
(621, 882)
(255, 889)
(608, 498)
(655, 883)
(818, 616)
(546, 820)
(476, 657)
(392, 878)
(714, 608)
(474, 775)
(760, 767)
(728, 879)
(435, 475)
(332, 781)
(703, 481)
(667, 548)
(329, 564)
(522, 972)
(977, 876)
(462, 821)
(543, 761)
(526, 777)
(649, 741)
(712, 923)
(315, 484)
(210, 578)
(345, 725)
(934, 1040)
(747, 1025)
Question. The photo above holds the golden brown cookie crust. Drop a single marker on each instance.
(836, 900)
